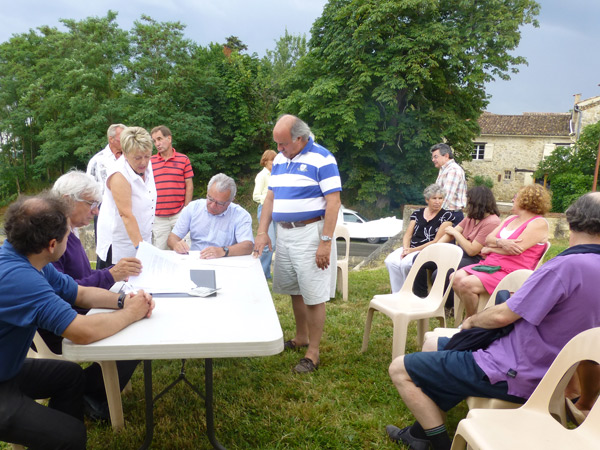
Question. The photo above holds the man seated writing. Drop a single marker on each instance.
(217, 227)
(556, 303)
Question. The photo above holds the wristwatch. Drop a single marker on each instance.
(121, 300)
(326, 238)
(226, 250)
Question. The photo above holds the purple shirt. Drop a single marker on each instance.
(557, 302)
(75, 263)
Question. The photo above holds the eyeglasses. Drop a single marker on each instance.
(93, 205)
(212, 200)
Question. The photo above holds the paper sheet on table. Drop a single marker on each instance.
(232, 261)
(161, 272)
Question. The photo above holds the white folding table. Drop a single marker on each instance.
(240, 321)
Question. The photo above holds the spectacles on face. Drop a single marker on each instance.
(212, 200)
(93, 205)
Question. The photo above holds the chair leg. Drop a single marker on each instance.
(459, 442)
(113, 393)
(399, 339)
(128, 388)
(365, 342)
(459, 308)
(422, 328)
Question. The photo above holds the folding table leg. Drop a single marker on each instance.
(208, 404)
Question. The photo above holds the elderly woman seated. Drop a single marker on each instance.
(427, 226)
(83, 193)
(517, 243)
(470, 234)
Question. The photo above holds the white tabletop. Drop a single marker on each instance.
(240, 321)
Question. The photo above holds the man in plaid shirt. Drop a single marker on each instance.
(452, 179)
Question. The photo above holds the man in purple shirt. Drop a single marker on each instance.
(556, 303)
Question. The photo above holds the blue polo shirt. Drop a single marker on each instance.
(300, 184)
(29, 299)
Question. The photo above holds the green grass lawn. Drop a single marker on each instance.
(261, 404)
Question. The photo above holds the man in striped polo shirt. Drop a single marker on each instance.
(174, 185)
(304, 200)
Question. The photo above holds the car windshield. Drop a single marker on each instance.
(354, 217)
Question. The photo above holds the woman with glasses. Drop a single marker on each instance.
(129, 201)
(84, 194)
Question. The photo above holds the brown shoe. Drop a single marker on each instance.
(291, 345)
(306, 365)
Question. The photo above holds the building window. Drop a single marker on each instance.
(478, 152)
(507, 174)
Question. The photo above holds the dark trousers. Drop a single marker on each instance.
(56, 426)
(104, 264)
(94, 382)
(420, 287)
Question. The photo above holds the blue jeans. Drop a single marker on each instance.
(267, 255)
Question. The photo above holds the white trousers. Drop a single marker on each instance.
(399, 267)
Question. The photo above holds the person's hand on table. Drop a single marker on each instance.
(125, 268)
(141, 304)
(212, 253)
(182, 247)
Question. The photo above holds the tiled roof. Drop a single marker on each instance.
(590, 102)
(528, 124)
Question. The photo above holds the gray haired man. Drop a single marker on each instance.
(217, 227)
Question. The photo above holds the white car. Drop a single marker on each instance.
(371, 230)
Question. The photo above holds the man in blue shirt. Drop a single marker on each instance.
(35, 295)
(304, 201)
(217, 227)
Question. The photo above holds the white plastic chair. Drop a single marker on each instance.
(109, 374)
(404, 306)
(533, 426)
(342, 264)
(484, 297)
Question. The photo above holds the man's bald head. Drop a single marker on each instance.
(32, 222)
(291, 135)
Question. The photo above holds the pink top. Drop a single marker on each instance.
(509, 263)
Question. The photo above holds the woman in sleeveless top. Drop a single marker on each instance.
(517, 243)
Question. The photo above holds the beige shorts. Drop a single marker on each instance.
(295, 271)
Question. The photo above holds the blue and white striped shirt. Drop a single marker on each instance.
(299, 185)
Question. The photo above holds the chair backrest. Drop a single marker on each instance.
(42, 349)
(582, 347)
(341, 231)
(548, 245)
(446, 257)
(511, 283)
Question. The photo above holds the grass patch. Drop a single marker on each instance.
(261, 404)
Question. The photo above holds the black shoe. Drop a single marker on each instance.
(95, 410)
(403, 435)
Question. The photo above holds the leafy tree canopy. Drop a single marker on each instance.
(385, 79)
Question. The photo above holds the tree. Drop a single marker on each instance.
(385, 79)
(570, 170)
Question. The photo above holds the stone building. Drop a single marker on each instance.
(510, 147)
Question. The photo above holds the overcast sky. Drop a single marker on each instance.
(562, 53)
